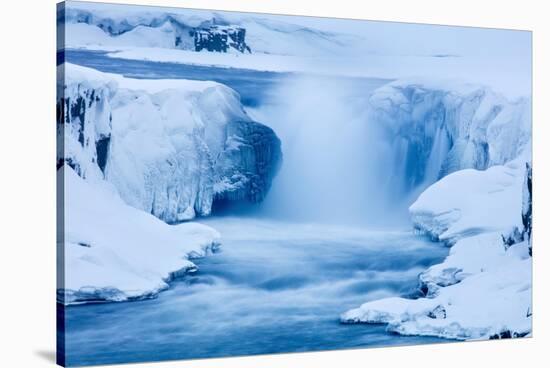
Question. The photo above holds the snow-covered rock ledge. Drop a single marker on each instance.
(171, 147)
(114, 252)
(483, 288)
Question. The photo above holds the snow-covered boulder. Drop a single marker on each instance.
(170, 147)
(441, 127)
(114, 252)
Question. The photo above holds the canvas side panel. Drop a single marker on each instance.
(60, 185)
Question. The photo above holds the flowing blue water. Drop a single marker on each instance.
(254, 86)
(276, 286)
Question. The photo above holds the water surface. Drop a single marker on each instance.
(275, 287)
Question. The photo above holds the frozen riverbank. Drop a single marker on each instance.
(483, 288)
(114, 252)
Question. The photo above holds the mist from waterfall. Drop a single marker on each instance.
(338, 164)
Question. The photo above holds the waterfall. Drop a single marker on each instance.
(332, 160)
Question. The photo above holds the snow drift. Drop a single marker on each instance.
(170, 147)
(114, 252)
(107, 26)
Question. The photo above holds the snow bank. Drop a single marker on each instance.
(114, 252)
(483, 288)
(468, 202)
(170, 147)
(493, 302)
(92, 37)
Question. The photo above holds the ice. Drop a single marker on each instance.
(442, 126)
(471, 148)
(489, 304)
(114, 252)
(306, 44)
(172, 148)
(165, 144)
(98, 26)
(483, 288)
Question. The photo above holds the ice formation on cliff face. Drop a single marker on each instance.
(438, 128)
(170, 147)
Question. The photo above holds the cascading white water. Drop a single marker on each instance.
(339, 163)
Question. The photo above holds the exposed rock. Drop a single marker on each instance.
(514, 237)
(507, 334)
(251, 158)
(438, 312)
(527, 208)
(220, 38)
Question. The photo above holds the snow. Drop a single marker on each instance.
(471, 146)
(168, 141)
(483, 288)
(487, 303)
(114, 252)
(419, 67)
(481, 201)
(86, 35)
(437, 127)
(131, 26)
(464, 143)
(308, 44)
(261, 62)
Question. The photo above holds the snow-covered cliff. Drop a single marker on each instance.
(170, 147)
(108, 26)
(476, 146)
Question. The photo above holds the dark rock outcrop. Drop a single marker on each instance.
(249, 162)
(220, 38)
(527, 210)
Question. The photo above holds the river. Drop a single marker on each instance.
(279, 282)
(274, 287)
